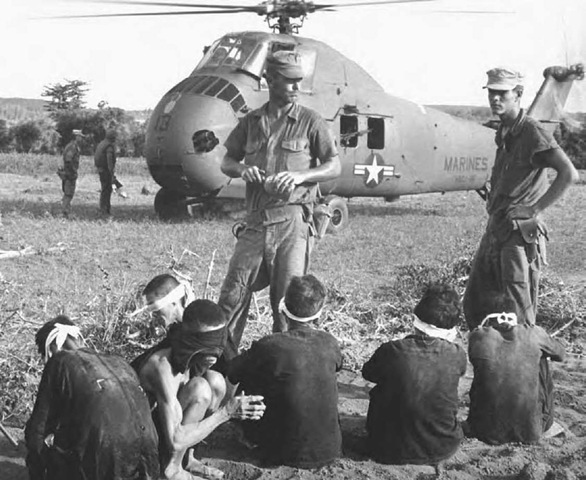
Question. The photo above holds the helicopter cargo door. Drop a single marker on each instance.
(366, 144)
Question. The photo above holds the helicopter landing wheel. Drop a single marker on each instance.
(170, 205)
(339, 210)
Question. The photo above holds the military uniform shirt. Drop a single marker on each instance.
(71, 155)
(515, 180)
(105, 156)
(296, 142)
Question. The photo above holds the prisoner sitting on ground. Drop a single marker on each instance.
(413, 407)
(91, 419)
(166, 299)
(512, 394)
(295, 371)
(176, 375)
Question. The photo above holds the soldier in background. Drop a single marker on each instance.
(105, 161)
(68, 170)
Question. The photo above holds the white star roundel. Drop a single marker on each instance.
(374, 173)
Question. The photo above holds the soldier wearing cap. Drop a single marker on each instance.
(512, 250)
(281, 150)
(68, 170)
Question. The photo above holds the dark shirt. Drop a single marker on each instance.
(105, 156)
(100, 419)
(507, 398)
(293, 143)
(412, 412)
(295, 371)
(515, 179)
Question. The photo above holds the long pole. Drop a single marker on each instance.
(8, 436)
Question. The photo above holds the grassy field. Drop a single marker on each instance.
(93, 270)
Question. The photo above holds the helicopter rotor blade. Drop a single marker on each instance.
(501, 12)
(151, 14)
(176, 4)
(322, 6)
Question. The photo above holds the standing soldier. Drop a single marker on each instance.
(105, 161)
(68, 170)
(512, 249)
(281, 150)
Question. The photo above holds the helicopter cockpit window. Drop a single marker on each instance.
(349, 131)
(376, 133)
(232, 51)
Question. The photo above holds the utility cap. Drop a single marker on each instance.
(502, 78)
(287, 63)
(78, 133)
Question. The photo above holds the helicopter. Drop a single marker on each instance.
(388, 146)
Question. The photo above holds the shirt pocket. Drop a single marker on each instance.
(295, 154)
(251, 150)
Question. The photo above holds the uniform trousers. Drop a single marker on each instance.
(511, 266)
(269, 253)
(68, 186)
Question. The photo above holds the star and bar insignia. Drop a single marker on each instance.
(374, 173)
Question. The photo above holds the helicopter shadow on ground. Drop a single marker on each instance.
(40, 209)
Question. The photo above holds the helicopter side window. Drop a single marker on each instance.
(349, 131)
(376, 133)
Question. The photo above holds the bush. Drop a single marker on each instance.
(5, 137)
(25, 135)
(572, 138)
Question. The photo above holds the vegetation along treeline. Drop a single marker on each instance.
(38, 126)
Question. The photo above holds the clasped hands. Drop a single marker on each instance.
(246, 407)
(281, 183)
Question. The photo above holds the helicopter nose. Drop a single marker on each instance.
(189, 153)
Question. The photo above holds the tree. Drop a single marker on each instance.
(5, 136)
(67, 96)
(25, 135)
(572, 138)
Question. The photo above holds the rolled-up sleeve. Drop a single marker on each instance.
(322, 141)
(236, 142)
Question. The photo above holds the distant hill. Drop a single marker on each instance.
(483, 114)
(468, 112)
(16, 110)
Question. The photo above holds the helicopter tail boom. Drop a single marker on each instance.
(549, 102)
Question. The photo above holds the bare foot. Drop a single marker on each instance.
(184, 475)
(196, 467)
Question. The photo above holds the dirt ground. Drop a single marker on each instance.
(559, 458)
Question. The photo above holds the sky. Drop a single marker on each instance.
(425, 52)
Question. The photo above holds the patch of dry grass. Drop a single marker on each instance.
(375, 270)
(43, 164)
